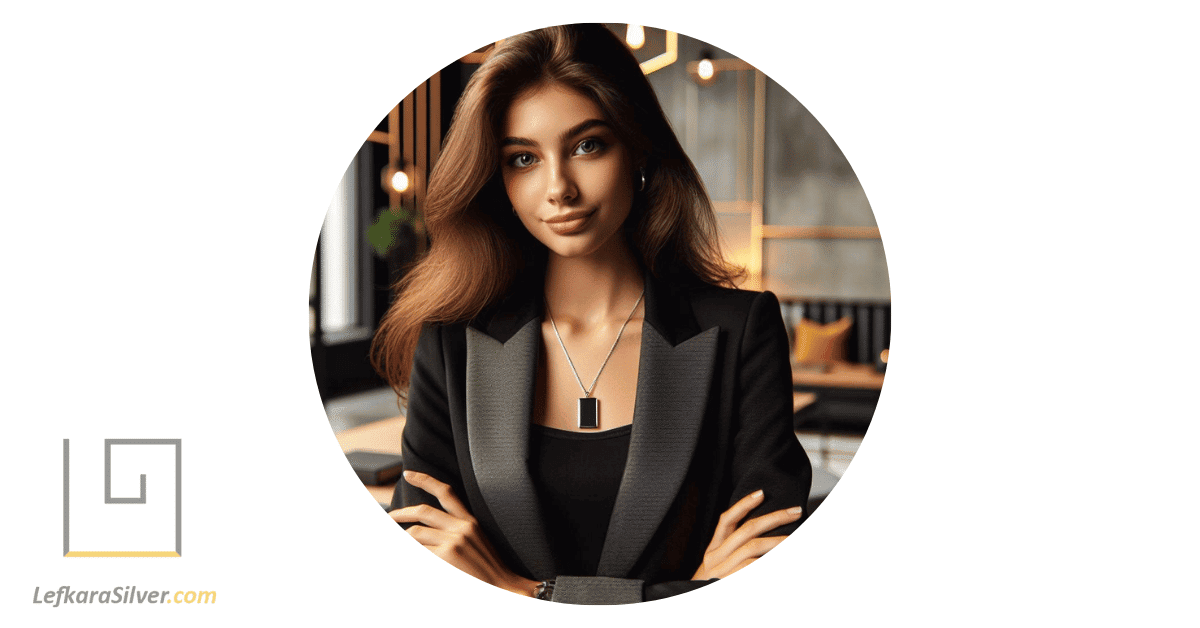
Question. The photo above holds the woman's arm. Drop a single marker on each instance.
(766, 454)
(426, 501)
(735, 546)
(454, 535)
(427, 444)
(771, 473)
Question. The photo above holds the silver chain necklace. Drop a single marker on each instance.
(589, 407)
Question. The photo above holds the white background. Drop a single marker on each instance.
(165, 173)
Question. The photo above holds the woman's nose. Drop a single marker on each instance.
(560, 189)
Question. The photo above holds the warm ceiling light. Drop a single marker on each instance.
(400, 181)
(635, 36)
(669, 56)
(705, 69)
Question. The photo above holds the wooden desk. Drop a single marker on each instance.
(382, 436)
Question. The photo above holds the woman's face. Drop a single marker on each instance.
(568, 176)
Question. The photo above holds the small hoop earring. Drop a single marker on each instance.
(642, 172)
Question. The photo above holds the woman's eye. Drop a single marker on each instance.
(522, 160)
(588, 146)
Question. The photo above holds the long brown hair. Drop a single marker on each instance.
(478, 246)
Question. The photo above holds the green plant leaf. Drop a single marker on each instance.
(382, 234)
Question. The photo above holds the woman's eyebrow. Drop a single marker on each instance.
(583, 126)
(569, 133)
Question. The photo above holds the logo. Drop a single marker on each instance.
(136, 512)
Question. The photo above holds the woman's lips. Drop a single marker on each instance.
(569, 223)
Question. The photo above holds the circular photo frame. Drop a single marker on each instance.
(600, 313)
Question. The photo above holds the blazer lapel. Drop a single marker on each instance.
(499, 398)
(675, 372)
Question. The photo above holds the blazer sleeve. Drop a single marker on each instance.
(428, 442)
(766, 454)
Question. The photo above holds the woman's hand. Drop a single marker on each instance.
(734, 546)
(455, 536)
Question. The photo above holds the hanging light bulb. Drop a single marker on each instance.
(395, 178)
(635, 36)
(399, 181)
(705, 69)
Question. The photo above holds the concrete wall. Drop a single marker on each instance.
(808, 181)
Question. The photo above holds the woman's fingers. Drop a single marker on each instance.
(746, 554)
(758, 526)
(440, 490)
(441, 529)
(455, 548)
(426, 514)
(719, 553)
(754, 548)
(455, 536)
(729, 520)
(464, 546)
(454, 541)
(428, 537)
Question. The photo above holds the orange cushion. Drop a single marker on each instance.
(822, 344)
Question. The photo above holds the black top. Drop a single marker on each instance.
(577, 476)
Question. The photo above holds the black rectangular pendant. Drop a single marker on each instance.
(589, 413)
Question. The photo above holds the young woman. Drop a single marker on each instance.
(591, 417)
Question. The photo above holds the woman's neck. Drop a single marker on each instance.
(595, 289)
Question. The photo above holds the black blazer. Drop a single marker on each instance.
(712, 423)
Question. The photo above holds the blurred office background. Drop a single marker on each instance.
(790, 209)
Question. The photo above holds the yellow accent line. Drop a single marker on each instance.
(122, 554)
